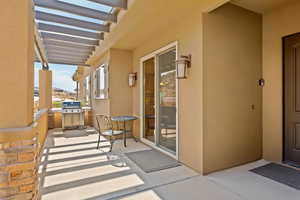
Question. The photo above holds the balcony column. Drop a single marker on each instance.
(18, 133)
(45, 89)
(16, 63)
(77, 90)
(81, 91)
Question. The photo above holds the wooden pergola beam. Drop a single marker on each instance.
(70, 21)
(57, 37)
(78, 10)
(69, 31)
(113, 3)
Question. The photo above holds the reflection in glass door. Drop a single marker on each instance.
(149, 99)
(159, 100)
(166, 95)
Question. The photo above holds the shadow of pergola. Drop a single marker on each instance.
(106, 181)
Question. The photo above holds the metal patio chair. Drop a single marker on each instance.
(106, 129)
(168, 118)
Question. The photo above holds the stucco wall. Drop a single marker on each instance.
(45, 89)
(99, 106)
(276, 24)
(81, 95)
(188, 32)
(146, 30)
(16, 63)
(120, 94)
(232, 67)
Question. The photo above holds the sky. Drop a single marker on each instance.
(62, 76)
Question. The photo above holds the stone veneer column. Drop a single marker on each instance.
(18, 136)
(18, 164)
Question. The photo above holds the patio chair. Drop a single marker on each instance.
(106, 129)
(168, 118)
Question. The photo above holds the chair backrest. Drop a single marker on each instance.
(168, 115)
(104, 122)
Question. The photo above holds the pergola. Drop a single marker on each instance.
(70, 30)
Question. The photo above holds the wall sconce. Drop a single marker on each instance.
(261, 82)
(132, 78)
(182, 65)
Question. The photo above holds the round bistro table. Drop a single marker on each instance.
(124, 119)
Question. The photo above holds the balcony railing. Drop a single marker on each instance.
(20, 150)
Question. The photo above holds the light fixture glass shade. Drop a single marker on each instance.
(132, 79)
(182, 66)
(181, 70)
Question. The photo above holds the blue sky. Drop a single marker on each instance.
(62, 76)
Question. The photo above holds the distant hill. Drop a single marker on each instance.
(56, 90)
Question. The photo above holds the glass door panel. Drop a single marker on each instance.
(166, 99)
(149, 99)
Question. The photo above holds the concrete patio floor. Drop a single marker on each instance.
(72, 168)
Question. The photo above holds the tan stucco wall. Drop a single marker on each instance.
(57, 120)
(42, 127)
(137, 24)
(276, 24)
(188, 32)
(16, 63)
(120, 65)
(120, 94)
(174, 21)
(99, 106)
(81, 95)
(232, 66)
(45, 89)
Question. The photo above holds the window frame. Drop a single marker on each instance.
(88, 89)
(97, 83)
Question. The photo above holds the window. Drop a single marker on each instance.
(101, 82)
(87, 90)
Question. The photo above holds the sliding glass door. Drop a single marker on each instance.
(159, 100)
(149, 100)
(166, 95)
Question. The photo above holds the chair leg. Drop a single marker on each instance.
(112, 141)
(124, 138)
(99, 138)
(124, 134)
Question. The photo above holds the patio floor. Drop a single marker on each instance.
(72, 168)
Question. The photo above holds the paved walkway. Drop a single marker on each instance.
(72, 168)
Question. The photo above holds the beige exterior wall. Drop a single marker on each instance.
(188, 32)
(197, 147)
(142, 36)
(81, 95)
(99, 106)
(58, 120)
(16, 64)
(232, 67)
(42, 127)
(120, 65)
(276, 24)
(45, 89)
(120, 94)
